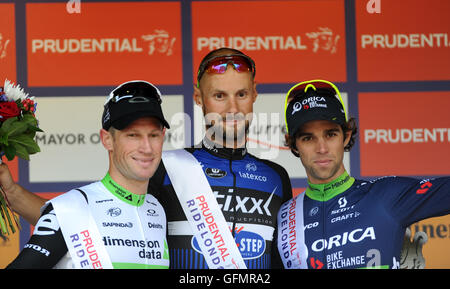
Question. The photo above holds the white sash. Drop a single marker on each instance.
(202, 211)
(80, 232)
(291, 234)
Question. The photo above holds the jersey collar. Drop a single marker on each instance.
(121, 193)
(325, 192)
(223, 152)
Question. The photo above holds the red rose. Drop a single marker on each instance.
(8, 110)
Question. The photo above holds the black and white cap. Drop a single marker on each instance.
(130, 101)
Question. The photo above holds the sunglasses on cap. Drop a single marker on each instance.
(218, 65)
(321, 86)
(135, 88)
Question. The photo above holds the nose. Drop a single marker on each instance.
(145, 145)
(321, 146)
(232, 105)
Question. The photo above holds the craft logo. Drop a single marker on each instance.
(3, 46)
(159, 42)
(323, 39)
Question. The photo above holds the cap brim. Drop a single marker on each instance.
(126, 120)
(311, 116)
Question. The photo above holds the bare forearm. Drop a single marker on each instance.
(25, 203)
(20, 200)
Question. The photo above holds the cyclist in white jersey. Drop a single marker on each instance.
(112, 223)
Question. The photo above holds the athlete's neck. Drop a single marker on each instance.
(226, 143)
(121, 192)
(137, 187)
(324, 192)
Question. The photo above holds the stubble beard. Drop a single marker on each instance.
(225, 135)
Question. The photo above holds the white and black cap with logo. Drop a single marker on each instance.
(130, 101)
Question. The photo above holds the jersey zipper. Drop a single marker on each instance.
(141, 230)
(233, 197)
(324, 220)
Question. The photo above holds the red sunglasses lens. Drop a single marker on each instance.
(220, 65)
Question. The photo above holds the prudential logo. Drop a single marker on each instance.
(157, 43)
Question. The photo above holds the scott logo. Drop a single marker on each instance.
(342, 202)
(354, 236)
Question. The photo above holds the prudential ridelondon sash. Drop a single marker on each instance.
(202, 211)
(291, 234)
(80, 232)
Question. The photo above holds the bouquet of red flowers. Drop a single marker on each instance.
(18, 127)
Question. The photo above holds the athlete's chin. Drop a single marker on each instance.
(144, 174)
(322, 175)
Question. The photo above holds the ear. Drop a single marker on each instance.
(348, 136)
(197, 96)
(255, 92)
(107, 139)
(293, 148)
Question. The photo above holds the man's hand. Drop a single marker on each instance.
(20, 200)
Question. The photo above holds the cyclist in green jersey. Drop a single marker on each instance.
(339, 221)
(112, 223)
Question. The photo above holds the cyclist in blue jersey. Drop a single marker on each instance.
(341, 222)
(112, 223)
(249, 191)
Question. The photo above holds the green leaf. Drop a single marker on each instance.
(10, 152)
(6, 126)
(26, 142)
(21, 151)
(4, 139)
(29, 119)
(17, 128)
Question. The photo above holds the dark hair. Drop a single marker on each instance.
(350, 125)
